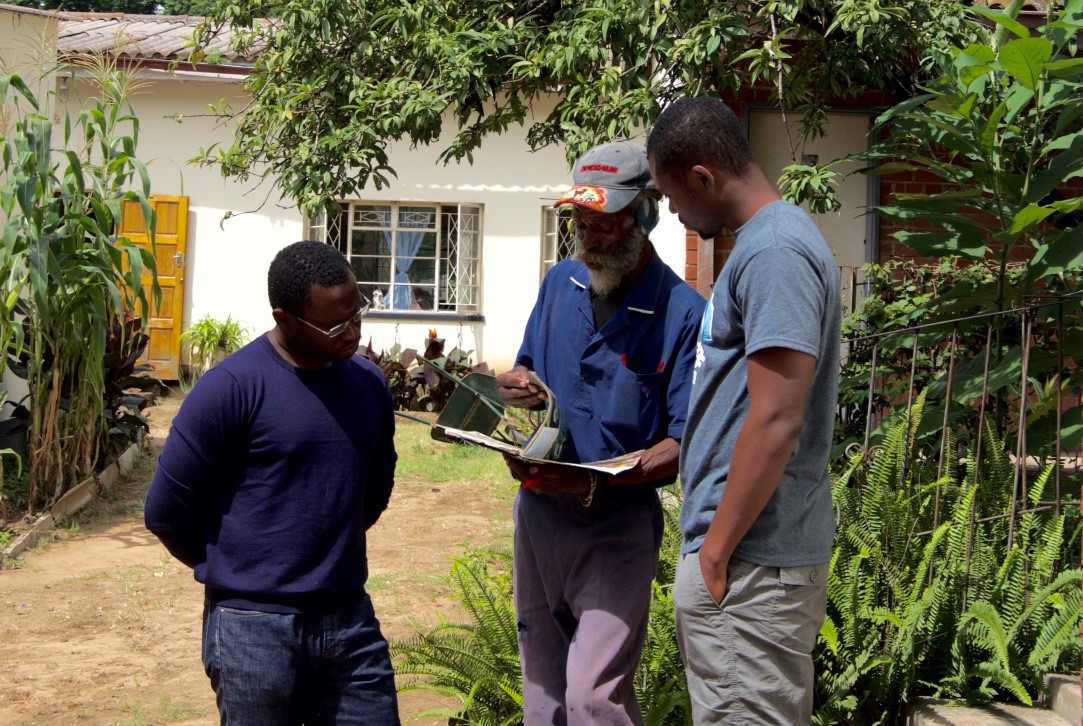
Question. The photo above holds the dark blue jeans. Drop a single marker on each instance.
(275, 669)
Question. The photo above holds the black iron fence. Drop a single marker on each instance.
(1015, 373)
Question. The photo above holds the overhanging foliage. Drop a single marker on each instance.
(341, 79)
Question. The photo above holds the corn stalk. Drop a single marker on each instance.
(65, 275)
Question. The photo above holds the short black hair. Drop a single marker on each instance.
(699, 130)
(299, 266)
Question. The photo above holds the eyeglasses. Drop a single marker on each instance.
(337, 330)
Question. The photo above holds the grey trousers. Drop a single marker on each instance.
(748, 660)
(582, 580)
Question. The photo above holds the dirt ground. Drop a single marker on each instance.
(102, 626)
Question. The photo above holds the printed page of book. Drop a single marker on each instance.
(608, 466)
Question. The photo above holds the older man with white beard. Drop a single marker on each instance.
(613, 336)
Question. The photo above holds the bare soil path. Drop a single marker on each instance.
(101, 626)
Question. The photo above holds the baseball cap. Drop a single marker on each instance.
(608, 177)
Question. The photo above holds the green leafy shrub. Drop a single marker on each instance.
(423, 382)
(933, 591)
(122, 409)
(475, 663)
(209, 340)
(396, 364)
(945, 306)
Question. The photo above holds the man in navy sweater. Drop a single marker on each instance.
(279, 460)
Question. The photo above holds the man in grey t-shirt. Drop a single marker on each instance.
(757, 518)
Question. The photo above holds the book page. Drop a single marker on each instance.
(609, 466)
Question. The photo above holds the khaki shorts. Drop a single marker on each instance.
(748, 660)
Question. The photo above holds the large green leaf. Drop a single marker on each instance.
(936, 244)
(1072, 140)
(1019, 98)
(1061, 168)
(1002, 20)
(1065, 67)
(1028, 217)
(1023, 59)
(1059, 256)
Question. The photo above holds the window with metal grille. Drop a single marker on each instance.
(407, 256)
(558, 238)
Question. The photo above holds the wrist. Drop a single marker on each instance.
(714, 556)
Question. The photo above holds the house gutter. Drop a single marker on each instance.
(179, 69)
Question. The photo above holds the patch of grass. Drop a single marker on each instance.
(89, 577)
(175, 711)
(143, 463)
(424, 458)
(166, 405)
(46, 539)
(126, 509)
(67, 526)
(124, 497)
(138, 713)
(378, 582)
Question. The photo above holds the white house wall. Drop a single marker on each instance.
(227, 261)
(847, 231)
(28, 47)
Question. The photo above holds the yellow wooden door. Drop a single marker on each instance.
(170, 237)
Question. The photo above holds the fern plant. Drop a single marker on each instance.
(476, 664)
(926, 593)
(1027, 623)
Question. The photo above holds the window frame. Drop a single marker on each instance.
(557, 237)
(457, 231)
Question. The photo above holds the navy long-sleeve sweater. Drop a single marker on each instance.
(270, 476)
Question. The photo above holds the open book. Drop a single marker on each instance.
(474, 413)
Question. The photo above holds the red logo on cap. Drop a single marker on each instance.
(607, 168)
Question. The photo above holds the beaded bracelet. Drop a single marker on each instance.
(589, 498)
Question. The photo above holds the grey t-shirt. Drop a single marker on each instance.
(778, 289)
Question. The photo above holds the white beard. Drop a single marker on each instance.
(613, 266)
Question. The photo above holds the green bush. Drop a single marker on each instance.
(209, 340)
(933, 591)
(952, 297)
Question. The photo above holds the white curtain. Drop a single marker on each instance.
(408, 243)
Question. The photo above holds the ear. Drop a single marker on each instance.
(282, 318)
(703, 178)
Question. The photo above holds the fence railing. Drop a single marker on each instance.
(1013, 371)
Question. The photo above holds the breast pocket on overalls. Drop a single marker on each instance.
(632, 410)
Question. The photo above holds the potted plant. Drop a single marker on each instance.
(209, 340)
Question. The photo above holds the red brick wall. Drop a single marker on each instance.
(702, 258)
(926, 183)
